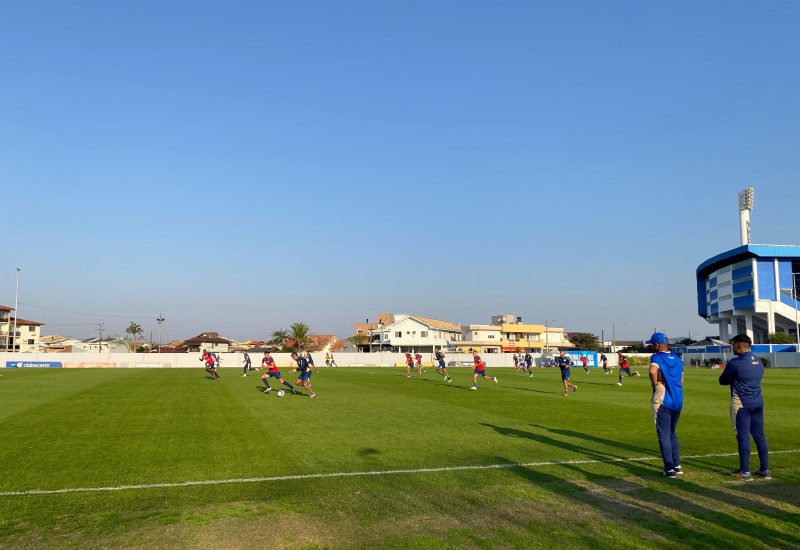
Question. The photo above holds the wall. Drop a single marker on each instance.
(234, 360)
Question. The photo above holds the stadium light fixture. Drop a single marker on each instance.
(746, 200)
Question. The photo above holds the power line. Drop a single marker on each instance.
(130, 316)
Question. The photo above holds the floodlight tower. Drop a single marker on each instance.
(745, 206)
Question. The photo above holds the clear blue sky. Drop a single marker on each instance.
(244, 165)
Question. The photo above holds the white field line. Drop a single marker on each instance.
(356, 474)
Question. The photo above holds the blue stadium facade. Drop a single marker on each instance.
(751, 289)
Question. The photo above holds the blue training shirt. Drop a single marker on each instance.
(670, 367)
(302, 364)
(744, 373)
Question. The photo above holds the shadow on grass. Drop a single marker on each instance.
(685, 520)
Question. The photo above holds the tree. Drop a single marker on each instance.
(300, 333)
(134, 329)
(279, 338)
(781, 338)
(359, 340)
(585, 341)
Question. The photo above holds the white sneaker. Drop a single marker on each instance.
(619, 383)
(494, 379)
(473, 388)
(245, 374)
(267, 390)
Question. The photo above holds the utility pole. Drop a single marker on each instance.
(100, 342)
(613, 335)
(16, 313)
(160, 321)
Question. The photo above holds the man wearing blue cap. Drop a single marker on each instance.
(666, 376)
(743, 374)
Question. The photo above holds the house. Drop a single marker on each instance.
(210, 341)
(104, 345)
(414, 333)
(482, 338)
(520, 337)
(26, 337)
(316, 342)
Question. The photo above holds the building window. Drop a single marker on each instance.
(423, 333)
(399, 334)
(491, 336)
(30, 342)
(359, 331)
(31, 329)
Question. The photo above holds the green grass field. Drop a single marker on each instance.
(109, 428)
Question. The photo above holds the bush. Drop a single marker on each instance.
(766, 362)
(711, 361)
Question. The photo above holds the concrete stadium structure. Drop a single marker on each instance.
(753, 288)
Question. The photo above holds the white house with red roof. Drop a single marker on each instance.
(27, 335)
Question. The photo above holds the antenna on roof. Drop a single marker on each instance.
(746, 199)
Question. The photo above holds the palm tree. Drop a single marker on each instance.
(299, 332)
(279, 338)
(134, 329)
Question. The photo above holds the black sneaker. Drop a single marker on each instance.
(764, 474)
(679, 470)
(669, 474)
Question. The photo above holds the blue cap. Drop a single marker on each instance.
(658, 338)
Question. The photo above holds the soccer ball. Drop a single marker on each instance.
(281, 393)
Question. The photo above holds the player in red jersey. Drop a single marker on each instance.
(272, 372)
(210, 365)
(418, 361)
(409, 364)
(480, 370)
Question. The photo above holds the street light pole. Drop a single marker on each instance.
(160, 320)
(796, 311)
(16, 313)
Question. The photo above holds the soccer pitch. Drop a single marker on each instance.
(168, 458)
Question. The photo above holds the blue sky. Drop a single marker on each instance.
(244, 165)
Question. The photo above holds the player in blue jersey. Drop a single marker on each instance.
(441, 368)
(272, 372)
(311, 361)
(527, 363)
(516, 361)
(564, 363)
(743, 374)
(479, 371)
(666, 377)
(247, 365)
(604, 362)
(303, 379)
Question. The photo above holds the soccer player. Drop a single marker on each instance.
(743, 374)
(480, 370)
(528, 364)
(604, 362)
(585, 363)
(418, 362)
(208, 360)
(441, 369)
(247, 365)
(626, 368)
(409, 364)
(516, 361)
(333, 361)
(564, 363)
(328, 360)
(311, 361)
(303, 379)
(272, 372)
(666, 377)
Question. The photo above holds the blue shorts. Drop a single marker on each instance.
(273, 375)
(304, 376)
(564, 373)
(625, 370)
(441, 364)
(480, 372)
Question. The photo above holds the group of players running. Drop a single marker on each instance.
(305, 364)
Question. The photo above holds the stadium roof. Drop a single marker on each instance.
(749, 251)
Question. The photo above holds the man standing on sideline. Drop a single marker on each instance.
(666, 377)
(743, 374)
